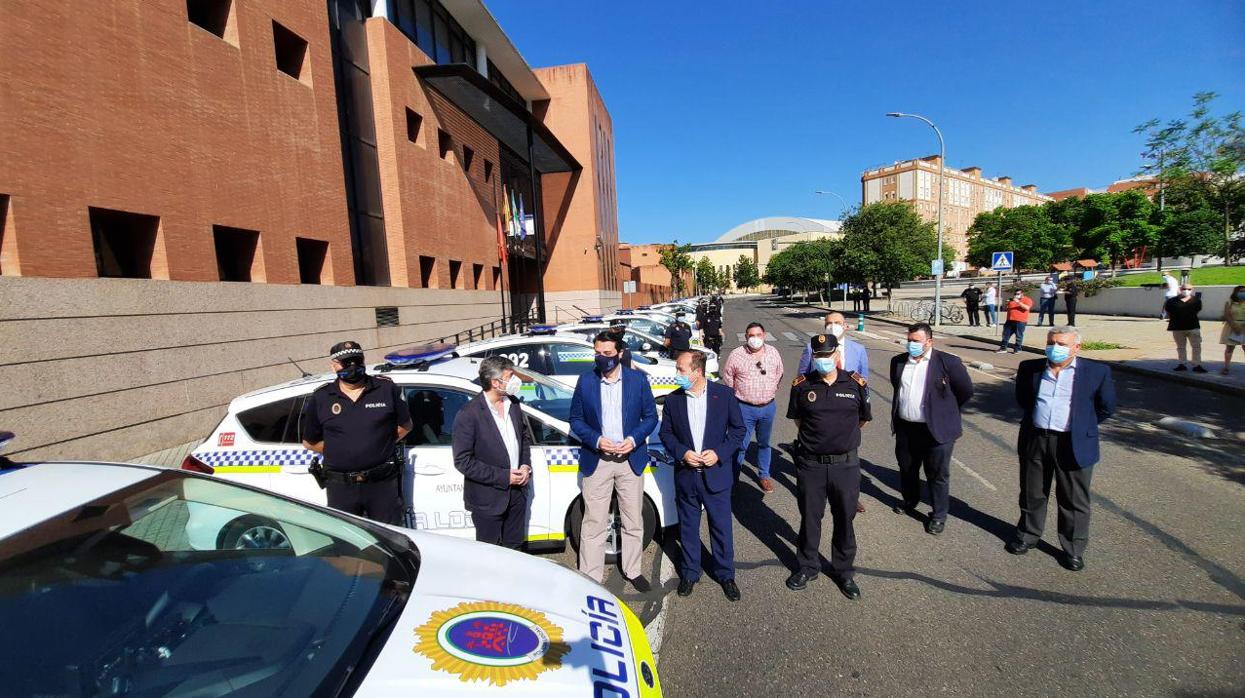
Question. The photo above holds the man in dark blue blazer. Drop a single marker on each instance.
(930, 388)
(702, 427)
(493, 451)
(1064, 400)
(612, 415)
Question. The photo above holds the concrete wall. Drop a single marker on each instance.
(1146, 302)
(562, 305)
(118, 368)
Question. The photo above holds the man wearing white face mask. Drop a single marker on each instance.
(493, 451)
(753, 371)
(851, 356)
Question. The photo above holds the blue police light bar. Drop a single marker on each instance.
(593, 318)
(625, 311)
(419, 354)
(644, 307)
(542, 329)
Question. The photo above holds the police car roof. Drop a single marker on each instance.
(456, 366)
(511, 339)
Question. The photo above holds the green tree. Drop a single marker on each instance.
(677, 259)
(706, 275)
(1112, 225)
(1190, 232)
(746, 274)
(804, 266)
(1026, 230)
(884, 242)
(728, 277)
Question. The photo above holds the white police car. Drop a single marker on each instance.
(259, 443)
(124, 580)
(648, 323)
(640, 342)
(564, 357)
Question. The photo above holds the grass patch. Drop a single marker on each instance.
(1101, 346)
(1202, 276)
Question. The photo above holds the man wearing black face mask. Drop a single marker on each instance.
(355, 422)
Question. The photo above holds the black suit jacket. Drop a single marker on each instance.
(480, 455)
(947, 388)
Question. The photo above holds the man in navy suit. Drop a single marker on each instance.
(930, 388)
(612, 415)
(702, 427)
(1064, 400)
(493, 451)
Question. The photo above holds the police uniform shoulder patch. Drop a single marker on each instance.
(798, 380)
(858, 378)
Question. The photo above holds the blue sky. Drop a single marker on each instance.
(730, 110)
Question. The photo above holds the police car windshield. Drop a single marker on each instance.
(180, 585)
(545, 394)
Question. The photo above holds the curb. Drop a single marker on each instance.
(1121, 365)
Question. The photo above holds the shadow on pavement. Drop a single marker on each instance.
(772, 530)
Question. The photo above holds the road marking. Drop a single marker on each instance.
(739, 336)
(656, 627)
(792, 337)
(975, 475)
(811, 334)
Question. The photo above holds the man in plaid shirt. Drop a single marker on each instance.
(753, 371)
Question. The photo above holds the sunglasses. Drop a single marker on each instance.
(761, 369)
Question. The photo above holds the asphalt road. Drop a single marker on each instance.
(1159, 609)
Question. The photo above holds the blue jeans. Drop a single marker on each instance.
(1046, 307)
(1012, 327)
(761, 421)
(992, 314)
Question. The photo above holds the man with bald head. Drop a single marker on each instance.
(851, 356)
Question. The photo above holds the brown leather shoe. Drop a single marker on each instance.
(767, 485)
(860, 507)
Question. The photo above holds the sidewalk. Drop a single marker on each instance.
(1145, 346)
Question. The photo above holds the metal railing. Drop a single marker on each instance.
(922, 310)
(497, 328)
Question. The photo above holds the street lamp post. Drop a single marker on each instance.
(942, 187)
(841, 199)
(830, 289)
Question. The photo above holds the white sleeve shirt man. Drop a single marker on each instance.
(505, 425)
(912, 388)
(697, 409)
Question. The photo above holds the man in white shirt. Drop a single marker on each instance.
(1046, 301)
(1171, 289)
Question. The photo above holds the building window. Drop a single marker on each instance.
(495, 77)
(488, 171)
(125, 243)
(215, 16)
(468, 156)
(413, 123)
(291, 52)
(456, 274)
(238, 255)
(313, 257)
(427, 272)
(496, 278)
(5, 243)
(444, 143)
(477, 276)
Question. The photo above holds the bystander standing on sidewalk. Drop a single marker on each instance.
(1071, 291)
(1017, 320)
(1233, 334)
(992, 305)
(1046, 306)
(972, 297)
(1182, 322)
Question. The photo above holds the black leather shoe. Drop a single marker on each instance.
(731, 591)
(901, 509)
(641, 584)
(685, 587)
(798, 580)
(849, 588)
(1072, 563)
(1018, 547)
(935, 528)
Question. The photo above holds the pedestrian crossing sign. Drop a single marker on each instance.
(1001, 261)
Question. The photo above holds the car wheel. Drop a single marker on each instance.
(251, 532)
(613, 539)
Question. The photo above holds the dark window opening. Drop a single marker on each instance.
(477, 276)
(4, 219)
(488, 171)
(495, 77)
(433, 411)
(312, 257)
(124, 243)
(235, 253)
(427, 272)
(413, 122)
(387, 316)
(468, 156)
(211, 15)
(444, 142)
(496, 278)
(291, 51)
(456, 271)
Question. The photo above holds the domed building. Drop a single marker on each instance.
(763, 238)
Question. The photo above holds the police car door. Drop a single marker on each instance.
(434, 495)
(568, 362)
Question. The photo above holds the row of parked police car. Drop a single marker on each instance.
(230, 575)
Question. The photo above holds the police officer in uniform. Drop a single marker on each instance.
(829, 407)
(711, 326)
(679, 335)
(355, 423)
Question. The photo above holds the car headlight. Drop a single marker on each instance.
(645, 664)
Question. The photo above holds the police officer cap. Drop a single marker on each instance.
(346, 350)
(824, 343)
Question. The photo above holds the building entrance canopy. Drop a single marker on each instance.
(506, 120)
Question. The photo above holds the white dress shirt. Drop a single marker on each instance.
(912, 388)
(1053, 408)
(697, 409)
(505, 425)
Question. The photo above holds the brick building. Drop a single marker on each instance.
(387, 170)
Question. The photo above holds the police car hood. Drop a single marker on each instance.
(483, 620)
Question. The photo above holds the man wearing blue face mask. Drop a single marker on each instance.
(1064, 400)
(930, 388)
(612, 415)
